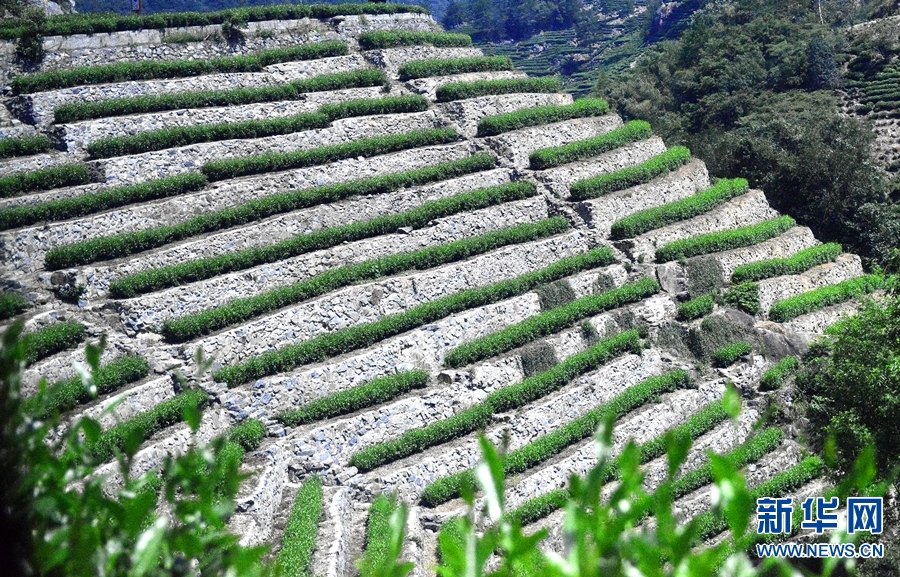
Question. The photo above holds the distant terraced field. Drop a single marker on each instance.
(379, 274)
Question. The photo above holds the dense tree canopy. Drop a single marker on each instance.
(749, 88)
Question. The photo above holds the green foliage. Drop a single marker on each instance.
(632, 176)
(173, 275)
(186, 135)
(744, 297)
(851, 387)
(366, 147)
(397, 38)
(24, 146)
(549, 322)
(148, 70)
(541, 449)
(346, 340)
(359, 397)
(428, 68)
(77, 111)
(820, 298)
(378, 534)
(247, 434)
(474, 89)
(367, 107)
(510, 397)
(93, 23)
(704, 275)
(582, 149)
(52, 339)
(117, 246)
(299, 540)
(240, 310)
(134, 431)
(585, 107)
(796, 264)
(11, 304)
(696, 308)
(44, 179)
(773, 378)
(766, 112)
(724, 240)
(108, 528)
(726, 356)
(660, 216)
(91, 203)
(66, 395)
(712, 523)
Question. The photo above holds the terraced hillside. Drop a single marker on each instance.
(386, 243)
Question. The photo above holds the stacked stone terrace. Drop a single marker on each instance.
(291, 455)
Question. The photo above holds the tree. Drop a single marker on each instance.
(850, 384)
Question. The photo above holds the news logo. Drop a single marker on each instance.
(775, 516)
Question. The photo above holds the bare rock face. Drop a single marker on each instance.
(53, 8)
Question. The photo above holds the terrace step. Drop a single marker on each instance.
(684, 182)
(558, 180)
(784, 245)
(18, 165)
(420, 348)
(781, 459)
(38, 108)
(811, 325)
(330, 558)
(285, 226)
(409, 477)
(747, 209)
(61, 366)
(51, 195)
(138, 168)
(79, 135)
(642, 425)
(359, 303)
(455, 391)
(466, 114)
(845, 267)
(260, 497)
(130, 402)
(285, 72)
(515, 147)
(391, 59)
(25, 248)
(427, 86)
(174, 441)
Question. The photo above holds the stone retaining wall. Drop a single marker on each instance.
(79, 50)
(346, 307)
(11, 166)
(747, 209)
(260, 496)
(515, 147)
(688, 180)
(332, 541)
(428, 86)
(24, 249)
(410, 476)
(285, 226)
(558, 180)
(173, 161)
(845, 267)
(391, 59)
(77, 136)
(466, 114)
